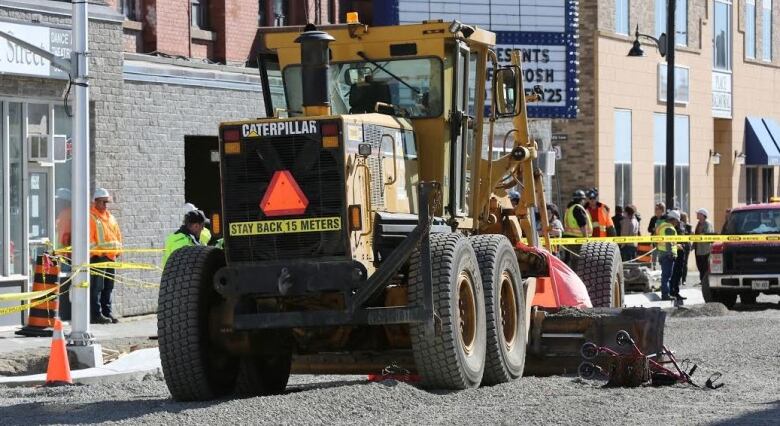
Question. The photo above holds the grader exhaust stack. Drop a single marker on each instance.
(315, 62)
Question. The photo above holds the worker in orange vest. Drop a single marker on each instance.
(105, 244)
(602, 220)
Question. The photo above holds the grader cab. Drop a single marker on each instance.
(367, 225)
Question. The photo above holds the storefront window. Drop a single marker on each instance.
(3, 249)
(681, 160)
(62, 177)
(16, 205)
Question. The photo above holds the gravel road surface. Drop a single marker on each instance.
(744, 346)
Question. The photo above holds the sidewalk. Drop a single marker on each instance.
(139, 326)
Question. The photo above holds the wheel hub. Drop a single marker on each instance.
(508, 310)
(468, 312)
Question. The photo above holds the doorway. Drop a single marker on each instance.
(201, 176)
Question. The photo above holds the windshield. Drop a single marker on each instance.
(412, 85)
(754, 222)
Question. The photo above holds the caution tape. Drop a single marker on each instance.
(669, 239)
(102, 251)
(124, 265)
(24, 307)
(10, 297)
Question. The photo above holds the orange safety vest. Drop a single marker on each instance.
(105, 237)
(63, 228)
(601, 221)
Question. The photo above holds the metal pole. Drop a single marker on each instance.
(80, 339)
(670, 42)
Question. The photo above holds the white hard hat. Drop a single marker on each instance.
(188, 207)
(101, 193)
(704, 212)
(673, 214)
(62, 194)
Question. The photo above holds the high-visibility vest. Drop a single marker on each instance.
(661, 230)
(570, 226)
(104, 234)
(176, 241)
(602, 220)
(205, 236)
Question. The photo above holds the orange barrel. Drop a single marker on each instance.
(41, 317)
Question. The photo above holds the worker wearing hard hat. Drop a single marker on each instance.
(603, 226)
(189, 234)
(576, 220)
(63, 221)
(105, 244)
(667, 252)
(205, 234)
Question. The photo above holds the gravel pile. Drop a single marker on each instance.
(743, 346)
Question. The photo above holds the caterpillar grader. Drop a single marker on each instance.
(366, 224)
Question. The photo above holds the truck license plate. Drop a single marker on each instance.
(760, 285)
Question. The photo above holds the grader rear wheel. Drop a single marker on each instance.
(453, 358)
(601, 269)
(504, 306)
(194, 368)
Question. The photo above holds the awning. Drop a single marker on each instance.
(762, 141)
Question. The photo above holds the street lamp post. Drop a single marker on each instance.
(665, 44)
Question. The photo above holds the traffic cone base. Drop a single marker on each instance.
(58, 372)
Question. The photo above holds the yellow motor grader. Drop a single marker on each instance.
(367, 225)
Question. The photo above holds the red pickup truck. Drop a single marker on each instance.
(750, 268)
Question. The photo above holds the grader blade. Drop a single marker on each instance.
(557, 335)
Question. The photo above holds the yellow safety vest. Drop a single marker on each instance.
(661, 231)
(570, 226)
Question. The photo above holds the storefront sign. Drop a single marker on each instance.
(721, 94)
(544, 32)
(15, 59)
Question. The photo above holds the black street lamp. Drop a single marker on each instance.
(665, 44)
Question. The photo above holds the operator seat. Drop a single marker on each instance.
(364, 96)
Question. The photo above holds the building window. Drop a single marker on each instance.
(622, 157)
(281, 12)
(621, 17)
(760, 184)
(200, 14)
(261, 13)
(680, 20)
(766, 31)
(129, 8)
(750, 29)
(722, 35)
(681, 160)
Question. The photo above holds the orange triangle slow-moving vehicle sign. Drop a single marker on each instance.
(283, 196)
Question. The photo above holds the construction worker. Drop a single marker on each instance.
(599, 213)
(105, 244)
(189, 234)
(576, 220)
(667, 252)
(63, 221)
(205, 235)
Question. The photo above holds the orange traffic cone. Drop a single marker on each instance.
(58, 372)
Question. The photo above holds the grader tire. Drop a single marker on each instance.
(263, 375)
(504, 308)
(194, 369)
(454, 356)
(601, 269)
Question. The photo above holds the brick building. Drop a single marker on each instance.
(163, 74)
(726, 114)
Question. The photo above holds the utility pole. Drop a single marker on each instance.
(670, 85)
(80, 340)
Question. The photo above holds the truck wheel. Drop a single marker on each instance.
(454, 357)
(194, 368)
(728, 299)
(263, 375)
(601, 269)
(748, 298)
(706, 292)
(504, 308)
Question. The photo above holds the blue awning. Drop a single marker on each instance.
(762, 141)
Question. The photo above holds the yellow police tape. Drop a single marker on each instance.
(9, 297)
(669, 239)
(99, 251)
(24, 307)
